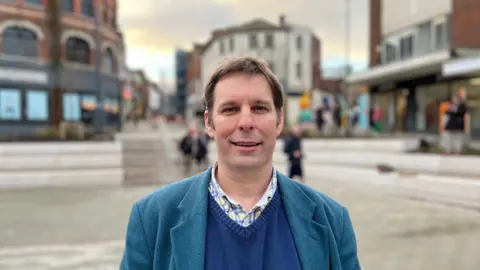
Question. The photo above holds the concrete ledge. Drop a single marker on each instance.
(395, 145)
(59, 148)
(92, 177)
(451, 190)
(61, 162)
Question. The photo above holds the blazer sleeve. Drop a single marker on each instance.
(137, 255)
(348, 245)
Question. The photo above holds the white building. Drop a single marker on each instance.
(417, 60)
(292, 52)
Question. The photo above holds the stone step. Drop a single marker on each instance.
(60, 162)
(96, 177)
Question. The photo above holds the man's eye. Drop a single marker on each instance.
(229, 110)
(260, 108)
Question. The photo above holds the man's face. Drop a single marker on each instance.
(244, 121)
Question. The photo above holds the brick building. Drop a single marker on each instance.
(422, 52)
(27, 78)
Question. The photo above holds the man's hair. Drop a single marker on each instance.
(244, 65)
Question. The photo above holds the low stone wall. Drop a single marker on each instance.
(60, 164)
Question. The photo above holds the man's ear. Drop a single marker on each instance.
(280, 122)
(208, 124)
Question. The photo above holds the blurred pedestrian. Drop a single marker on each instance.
(295, 154)
(241, 213)
(454, 125)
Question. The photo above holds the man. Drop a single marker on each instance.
(454, 134)
(242, 213)
(293, 149)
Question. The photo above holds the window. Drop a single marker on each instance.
(88, 106)
(299, 43)
(108, 61)
(10, 104)
(252, 41)
(221, 47)
(272, 67)
(37, 105)
(104, 12)
(299, 70)
(78, 51)
(424, 40)
(269, 41)
(440, 36)
(67, 5)
(232, 44)
(71, 107)
(406, 47)
(20, 41)
(390, 53)
(87, 8)
(37, 2)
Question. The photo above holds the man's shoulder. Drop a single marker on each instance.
(169, 196)
(322, 200)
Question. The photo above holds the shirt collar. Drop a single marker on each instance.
(217, 191)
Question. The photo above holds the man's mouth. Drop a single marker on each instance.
(245, 143)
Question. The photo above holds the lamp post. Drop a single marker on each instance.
(100, 112)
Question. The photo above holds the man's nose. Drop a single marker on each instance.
(246, 119)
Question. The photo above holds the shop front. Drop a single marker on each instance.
(26, 96)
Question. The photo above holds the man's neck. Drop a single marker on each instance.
(244, 186)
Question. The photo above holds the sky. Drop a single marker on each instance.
(153, 29)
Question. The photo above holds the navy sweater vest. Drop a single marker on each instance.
(265, 244)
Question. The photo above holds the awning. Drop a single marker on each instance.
(462, 67)
(401, 70)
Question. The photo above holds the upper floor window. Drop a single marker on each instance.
(299, 43)
(87, 8)
(78, 51)
(390, 53)
(406, 47)
(232, 44)
(299, 72)
(252, 41)
(108, 61)
(104, 12)
(67, 5)
(20, 41)
(441, 35)
(37, 2)
(269, 41)
(221, 47)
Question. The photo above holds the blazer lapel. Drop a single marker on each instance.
(310, 237)
(188, 238)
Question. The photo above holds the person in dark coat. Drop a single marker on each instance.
(293, 149)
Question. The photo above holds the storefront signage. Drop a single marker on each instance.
(23, 75)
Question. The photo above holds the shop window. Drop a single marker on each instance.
(88, 106)
(432, 97)
(37, 105)
(71, 107)
(10, 105)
